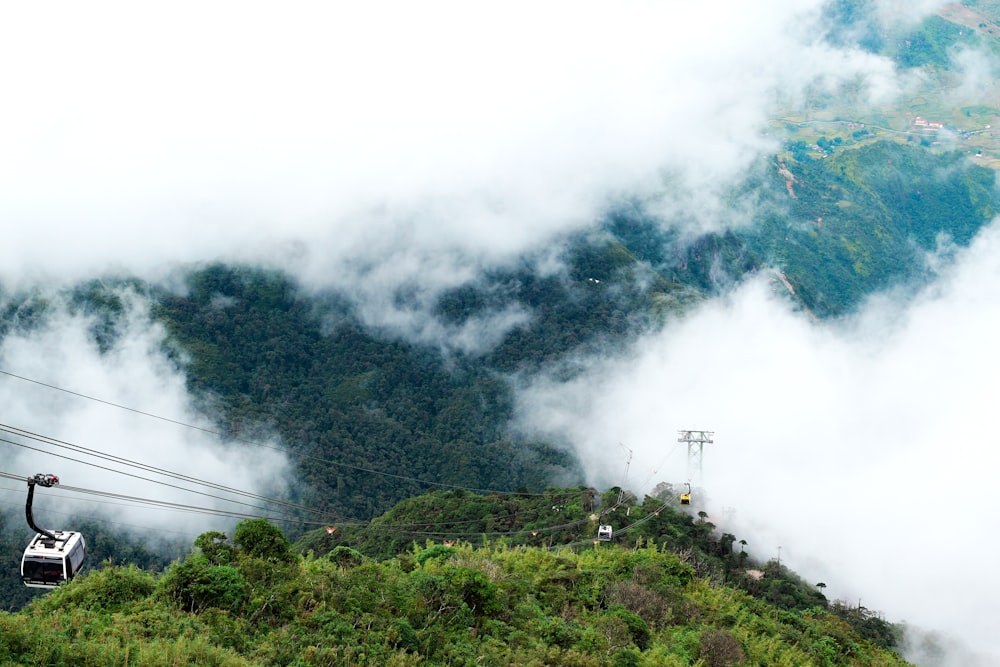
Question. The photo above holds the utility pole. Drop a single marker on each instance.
(696, 441)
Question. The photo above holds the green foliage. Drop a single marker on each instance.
(346, 556)
(110, 589)
(258, 538)
(862, 220)
(436, 551)
(719, 648)
(246, 604)
(230, 577)
(638, 629)
(196, 584)
(351, 398)
(215, 548)
(868, 624)
(930, 43)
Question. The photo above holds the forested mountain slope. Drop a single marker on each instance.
(359, 398)
(656, 597)
(371, 418)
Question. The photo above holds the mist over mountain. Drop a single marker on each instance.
(496, 248)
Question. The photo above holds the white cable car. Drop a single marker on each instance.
(604, 533)
(52, 556)
(49, 562)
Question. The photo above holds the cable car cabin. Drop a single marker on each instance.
(604, 533)
(47, 563)
(686, 497)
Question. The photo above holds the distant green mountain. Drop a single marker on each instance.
(864, 219)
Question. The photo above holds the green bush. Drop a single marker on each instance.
(259, 539)
(435, 551)
(196, 585)
(346, 557)
(109, 589)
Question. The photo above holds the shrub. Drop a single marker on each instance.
(259, 539)
(435, 551)
(346, 557)
(719, 648)
(196, 585)
(109, 589)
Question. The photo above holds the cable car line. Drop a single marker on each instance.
(121, 472)
(482, 535)
(501, 533)
(342, 520)
(286, 452)
(400, 527)
(395, 528)
(525, 512)
(177, 506)
(572, 524)
(85, 500)
(190, 508)
(142, 466)
(147, 479)
(101, 400)
(327, 514)
(100, 519)
(625, 529)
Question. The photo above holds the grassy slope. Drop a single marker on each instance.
(253, 602)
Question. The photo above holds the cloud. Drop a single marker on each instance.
(905, 14)
(133, 372)
(977, 76)
(862, 447)
(323, 138)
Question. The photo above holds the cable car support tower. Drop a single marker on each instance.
(696, 441)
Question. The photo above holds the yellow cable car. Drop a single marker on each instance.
(686, 497)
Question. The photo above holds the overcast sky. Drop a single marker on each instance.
(367, 146)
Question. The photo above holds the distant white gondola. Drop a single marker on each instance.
(48, 562)
(604, 533)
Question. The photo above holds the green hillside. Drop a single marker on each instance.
(655, 596)
(863, 219)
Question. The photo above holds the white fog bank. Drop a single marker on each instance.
(135, 373)
(864, 448)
